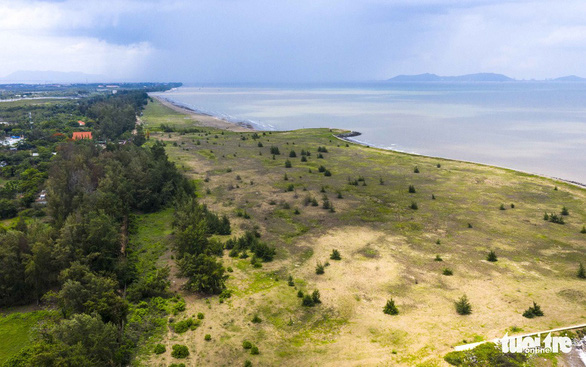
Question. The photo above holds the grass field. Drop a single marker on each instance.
(15, 331)
(388, 250)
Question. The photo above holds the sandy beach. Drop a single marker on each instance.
(205, 120)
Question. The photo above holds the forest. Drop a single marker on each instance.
(72, 255)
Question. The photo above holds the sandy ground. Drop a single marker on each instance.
(205, 120)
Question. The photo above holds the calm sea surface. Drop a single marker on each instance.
(538, 127)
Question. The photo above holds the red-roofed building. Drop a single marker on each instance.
(82, 135)
(81, 123)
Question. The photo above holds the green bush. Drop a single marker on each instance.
(565, 211)
(256, 319)
(412, 189)
(463, 306)
(335, 255)
(275, 150)
(491, 256)
(581, 272)
(179, 351)
(438, 258)
(319, 269)
(246, 344)
(583, 229)
(200, 315)
(414, 205)
(288, 164)
(247, 363)
(292, 154)
(307, 301)
(160, 349)
(207, 338)
(416, 169)
(447, 271)
(315, 297)
(534, 311)
(390, 308)
(502, 207)
(254, 350)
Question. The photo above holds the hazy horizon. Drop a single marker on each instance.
(261, 41)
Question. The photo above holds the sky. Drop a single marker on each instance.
(216, 41)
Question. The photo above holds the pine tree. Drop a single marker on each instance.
(491, 256)
(335, 255)
(390, 308)
(581, 272)
(463, 306)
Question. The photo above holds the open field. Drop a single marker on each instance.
(387, 248)
(15, 331)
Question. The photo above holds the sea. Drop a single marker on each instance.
(535, 127)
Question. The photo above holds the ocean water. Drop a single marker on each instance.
(537, 127)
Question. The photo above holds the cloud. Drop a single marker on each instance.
(37, 35)
(303, 40)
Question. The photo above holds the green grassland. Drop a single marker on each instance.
(15, 331)
(387, 247)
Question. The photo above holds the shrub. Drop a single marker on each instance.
(502, 207)
(390, 308)
(207, 338)
(254, 350)
(285, 177)
(321, 169)
(583, 229)
(335, 255)
(291, 187)
(160, 349)
(303, 159)
(439, 165)
(247, 363)
(319, 269)
(200, 315)
(275, 150)
(469, 225)
(307, 301)
(290, 281)
(581, 272)
(256, 319)
(463, 306)
(322, 149)
(296, 211)
(416, 169)
(292, 154)
(288, 164)
(327, 173)
(381, 181)
(300, 294)
(512, 206)
(320, 156)
(414, 205)
(315, 297)
(491, 256)
(565, 211)
(180, 351)
(314, 202)
(447, 271)
(341, 197)
(412, 189)
(438, 258)
(260, 144)
(246, 344)
(533, 311)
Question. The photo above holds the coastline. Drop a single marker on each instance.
(347, 137)
(204, 119)
(217, 122)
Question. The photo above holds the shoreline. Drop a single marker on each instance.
(347, 137)
(217, 122)
(205, 119)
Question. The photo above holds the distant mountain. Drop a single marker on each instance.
(480, 77)
(569, 78)
(48, 76)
